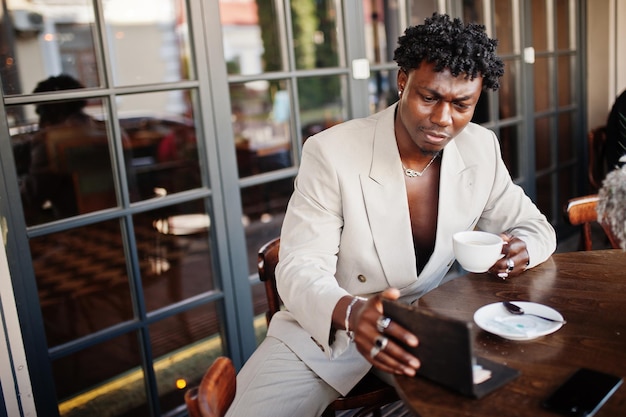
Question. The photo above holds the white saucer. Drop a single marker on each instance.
(494, 318)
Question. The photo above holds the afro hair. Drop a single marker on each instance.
(450, 44)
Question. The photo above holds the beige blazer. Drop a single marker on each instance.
(347, 230)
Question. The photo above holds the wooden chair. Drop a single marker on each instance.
(581, 211)
(216, 390)
(370, 394)
(596, 167)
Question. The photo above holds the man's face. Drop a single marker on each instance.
(434, 106)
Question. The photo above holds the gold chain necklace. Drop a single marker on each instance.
(412, 173)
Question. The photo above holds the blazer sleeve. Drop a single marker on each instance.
(310, 237)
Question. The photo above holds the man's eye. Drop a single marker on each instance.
(429, 99)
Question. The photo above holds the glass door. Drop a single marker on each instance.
(135, 221)
(120, 264)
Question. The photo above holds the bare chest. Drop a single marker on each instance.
(423, 200)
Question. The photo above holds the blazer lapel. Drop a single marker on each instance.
(456, 187)
(385, 199)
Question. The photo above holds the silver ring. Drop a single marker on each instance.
(510, 265)
(382, 323)
(374, 351)
(503, 275)
(381, 342)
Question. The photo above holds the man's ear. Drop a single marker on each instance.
(402, 79)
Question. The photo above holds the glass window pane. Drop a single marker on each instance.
(473, 12)
(566, 136)
(174, 253)
(563, 30)
(545, 194)
(509, 138)
(47, 38)
(82, 281)
(543, 92)
(540, 25)
(317, 34)
(508, 90)
(184, 346)
(565, 67)
(504, 27)
(264, 207)
(381, 29)
(63, 159)
(251, 36)
(322, 103)
(162, 148)
(543, 148)
(102, 380)
(383, 89)
(568, 176)
(159, 30)
(261, 112)
(420, 10)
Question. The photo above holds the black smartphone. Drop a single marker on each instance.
(583, 393)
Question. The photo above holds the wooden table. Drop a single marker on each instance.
(588, 288)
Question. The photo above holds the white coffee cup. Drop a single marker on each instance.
(477, 251)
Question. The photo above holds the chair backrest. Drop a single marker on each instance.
(267, 260)
(597, 169)
(216, 390)
(581, 211)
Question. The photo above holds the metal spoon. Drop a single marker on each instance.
(515, 309)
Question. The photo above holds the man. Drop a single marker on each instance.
(375, 205)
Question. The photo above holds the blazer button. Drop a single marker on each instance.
(361, 278)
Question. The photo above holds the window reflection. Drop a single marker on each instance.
(63, 156)
(105, 368)
(184, 346)
(163, 156)
(317, 34)
(262, 125)
(505, 28)
(421, 9)
(264, 207)
(543, 144)
(49, 37)
(382, 28)
(40, 40)
(322, 103)
(565, 36)
(383, 89)
(542, 92)
(567, 126)
(252, 43)
(565, 77)
(174, 253)
(508, 90)
(540, 36)
(82, 281)
(159, 30)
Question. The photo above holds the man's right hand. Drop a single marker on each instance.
(375, 336)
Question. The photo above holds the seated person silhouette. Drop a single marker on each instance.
(70, 169)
